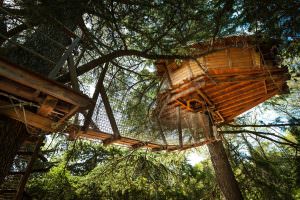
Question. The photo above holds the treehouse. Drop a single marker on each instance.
(225, 79)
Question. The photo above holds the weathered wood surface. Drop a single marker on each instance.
(47, 106)
(40, 95)
(25, 116)
(37, 82)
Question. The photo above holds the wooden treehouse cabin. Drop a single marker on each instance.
(225, 79)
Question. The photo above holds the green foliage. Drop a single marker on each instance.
(121, 174)
(154, 29)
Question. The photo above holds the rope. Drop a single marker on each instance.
(22, 101)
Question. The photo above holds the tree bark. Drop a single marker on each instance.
(223, 171)
(12, 135)
(224, 174)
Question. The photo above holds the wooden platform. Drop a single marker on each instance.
(46, 105)
(37, 94)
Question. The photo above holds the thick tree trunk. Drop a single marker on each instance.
(224, 174)
(12, 135)
(223, 171)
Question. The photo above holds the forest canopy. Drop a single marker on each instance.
(118, 42)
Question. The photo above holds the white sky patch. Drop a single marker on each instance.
(195, 156)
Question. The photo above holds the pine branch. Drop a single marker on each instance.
(262, 125)
(264, 135)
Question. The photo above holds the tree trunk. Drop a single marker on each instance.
(223, 171)
(12, 135)
(224, 174)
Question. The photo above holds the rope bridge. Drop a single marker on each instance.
(43, 104)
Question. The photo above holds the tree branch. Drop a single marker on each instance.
(263, 135)
(120, 53)
(261, 125)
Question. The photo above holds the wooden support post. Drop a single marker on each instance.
(73, 73)
(179, 127)
(98, 87)
(224, 174)
(26, 175)
(63, 59)
(109, 112)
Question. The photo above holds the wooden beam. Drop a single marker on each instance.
(138, 145)
(238, 94)
(18, 90)
(183, 105)
(47, 106)
(204, 97)
(221, 117)
(226, 72)
(244, 101)
(32, 119)
(184, 93)
(111, 140)
(98, 88)
(249, 78)
(230, 89)
(73, 73)
(92, 134)
(47, 86)
(233, 113)
(54, 72)
(70, 114)
(109, 112)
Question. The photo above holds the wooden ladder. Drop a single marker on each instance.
(14, 185)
